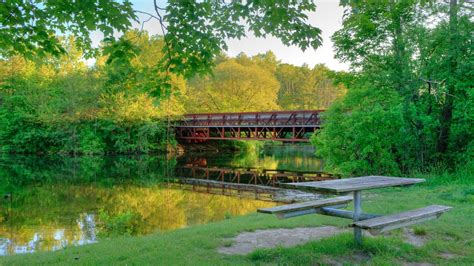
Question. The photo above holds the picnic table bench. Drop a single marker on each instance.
(332, 206)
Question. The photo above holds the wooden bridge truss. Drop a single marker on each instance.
(288, 126)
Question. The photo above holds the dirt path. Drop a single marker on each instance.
(247, 242)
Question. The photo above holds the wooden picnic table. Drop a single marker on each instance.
(373, 222)
(356, 184)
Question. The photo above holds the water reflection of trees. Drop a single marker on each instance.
(281, 157)
(47, 237)
(50, 217)
(58, 202)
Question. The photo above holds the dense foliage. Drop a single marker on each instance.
(30, 27)
(303, 88)
(61, 105)
(262, 83)
(409, 102)
(410, 99)
(51, 102)
(196, 31)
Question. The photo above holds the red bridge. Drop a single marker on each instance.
(288, 126)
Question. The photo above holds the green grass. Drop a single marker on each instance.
(452, 234)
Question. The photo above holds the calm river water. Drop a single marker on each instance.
(48, 203)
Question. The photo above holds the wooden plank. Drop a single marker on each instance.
(309, 211)
(376, 231)
(306, 205)
(399, 220)
(336, 212)
(355, 184)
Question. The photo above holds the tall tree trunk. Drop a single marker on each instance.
(399, 50)
(447, 110)
(400, 67)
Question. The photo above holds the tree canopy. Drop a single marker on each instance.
(195, 32)
(30, 28)
(235, 87)
(406, 104)
(60, 105)
(304, 88)
(409, 102)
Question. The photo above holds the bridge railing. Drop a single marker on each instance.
(283, 118)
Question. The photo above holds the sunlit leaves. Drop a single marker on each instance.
(412, 48)
(119, 55)
(197, 31)
(58, 105)
(29, 28)
(362, 133)
(234, 87)
(303, 88)
(132, 66)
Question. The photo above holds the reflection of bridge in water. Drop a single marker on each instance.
(288, 126)
(250, 176)
(257, 183)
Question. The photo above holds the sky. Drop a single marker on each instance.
(328, 17)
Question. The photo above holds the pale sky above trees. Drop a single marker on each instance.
(328, 17)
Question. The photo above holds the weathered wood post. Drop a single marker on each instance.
(357, 212)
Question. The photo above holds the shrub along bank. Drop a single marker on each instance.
(79, 138)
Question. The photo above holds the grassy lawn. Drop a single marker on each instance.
(450, 239)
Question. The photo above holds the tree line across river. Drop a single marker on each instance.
(63, 105)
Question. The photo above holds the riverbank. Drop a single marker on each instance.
(448, 240)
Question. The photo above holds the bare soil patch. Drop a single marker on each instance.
(247, 242)
(448, 256)
(414, 239)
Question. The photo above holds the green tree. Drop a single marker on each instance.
(234, 88)
(132, 79)
(196, 31)
(29, 28)
(324, 88)
(267, 61)
(451, 52)
(305, 88)
(362, 133)
(293, 80)
(392, 49)
(58, 105)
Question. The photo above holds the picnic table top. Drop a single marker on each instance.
(356, 183)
